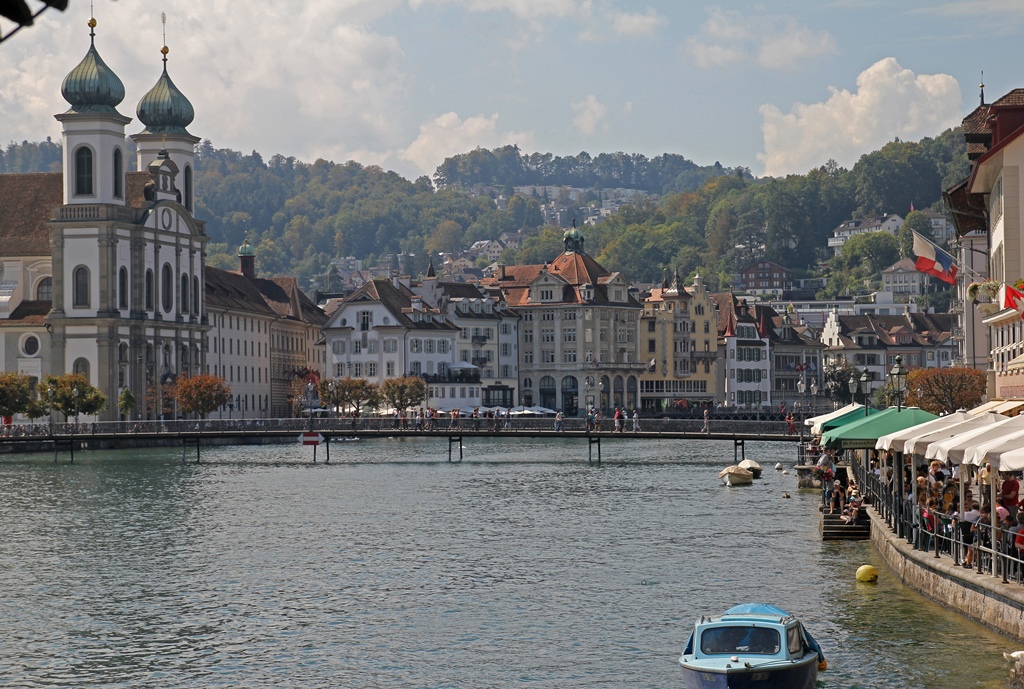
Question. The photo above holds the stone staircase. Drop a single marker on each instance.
(833, 529)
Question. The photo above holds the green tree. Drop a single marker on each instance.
(915, 221)
(944, 390)
(403, 393)
(836, 376)
(872, 250)
(126, 403)
(71, 394)
(15, 393)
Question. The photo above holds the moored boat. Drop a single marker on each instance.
(736, 475)
(751, 466)
(751, 645)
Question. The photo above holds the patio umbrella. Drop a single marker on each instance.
(919, 444)
(822, 418)
(896, 441)
(952, 451)
(865, 433)
(1004, 443)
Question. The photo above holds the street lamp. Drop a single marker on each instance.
(865, 384)
(588, 383)
(898, 378)
(600, 395)
(801, 387)
(856, 385)
(814, 391)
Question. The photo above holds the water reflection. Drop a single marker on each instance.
(393, 568)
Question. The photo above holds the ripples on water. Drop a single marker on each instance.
(521, 566)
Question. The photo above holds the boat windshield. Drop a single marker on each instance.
(739, 640)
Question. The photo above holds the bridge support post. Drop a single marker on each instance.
(591, 441)
(739, 450)
(452, 439)
(198, 440)
(327, 441)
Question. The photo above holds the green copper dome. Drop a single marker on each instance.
(92, 86)
(246, 249)
(164, 110)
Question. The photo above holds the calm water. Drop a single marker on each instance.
(523, 566)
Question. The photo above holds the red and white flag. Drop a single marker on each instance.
(1014, 300)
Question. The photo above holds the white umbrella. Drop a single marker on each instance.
(816, 421)
(1003, 443)
(919, 444)
(953, 449)
(461, 365)
(1011, 460)
(897, 440)
(542, 410)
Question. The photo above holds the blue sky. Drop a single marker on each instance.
(777, 87)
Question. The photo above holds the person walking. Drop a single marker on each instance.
(636, 422)
(707, 422)
(617, 418)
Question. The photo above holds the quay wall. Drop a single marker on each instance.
(87, 443)
(980, 597)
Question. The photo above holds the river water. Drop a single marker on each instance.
(522, 566)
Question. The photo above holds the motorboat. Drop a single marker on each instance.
(751, 466)
(736, 476)
(751, 645)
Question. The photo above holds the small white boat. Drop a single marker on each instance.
(751, 466)
(736, 476)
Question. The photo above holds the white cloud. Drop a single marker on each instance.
(635, 24)
(448, 135)
(590, 113)
(523, 9)
(774, 41)
(889, 102)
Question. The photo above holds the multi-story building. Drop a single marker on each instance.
(745, 366)
(904, 280)
(487, 334)
(704, 362)
(795, 354)
(872, 342)
(765, 277)
(890, 222)
(385, 330)
(986, 206)
(578, 324)
(665, 341)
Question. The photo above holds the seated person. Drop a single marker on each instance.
(852, 511)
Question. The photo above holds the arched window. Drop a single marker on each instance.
(167, 288)
(122, 288)
(188, 188)
(83, 171)
(44, 290)
(184, 294)
(195, 295)
(81, 367)
(80, 287)
(149, 289)
(118, 174)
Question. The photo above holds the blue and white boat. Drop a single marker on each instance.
(753, 645)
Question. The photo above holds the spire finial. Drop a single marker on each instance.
(92, 25)
(164, 50)
(982, 87)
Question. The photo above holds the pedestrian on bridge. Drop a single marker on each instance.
(636, 422)
(707, 422)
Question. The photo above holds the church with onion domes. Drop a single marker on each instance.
(102, 271)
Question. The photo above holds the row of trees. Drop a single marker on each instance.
(936, 390)
(351, 395)
(72, 394)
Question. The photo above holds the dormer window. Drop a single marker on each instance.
(547, 295)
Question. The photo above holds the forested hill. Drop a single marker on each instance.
(300, 215)
(664, 174)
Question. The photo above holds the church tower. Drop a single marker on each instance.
(93, 131)
(166, 112)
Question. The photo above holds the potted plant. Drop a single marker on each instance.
(982, 292)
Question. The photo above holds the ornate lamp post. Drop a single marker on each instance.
(814, 392)
(801, 387)
(898, 378)
(588, 382)
(865, 385)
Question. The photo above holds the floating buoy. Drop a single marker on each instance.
(867, 573)
(786, 472)
(785, 495)
(778, 466)
(822, 666)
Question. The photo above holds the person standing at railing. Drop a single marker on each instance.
(1009, 491)
(707, 421)
(636, 422)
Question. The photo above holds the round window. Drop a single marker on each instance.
(31, 345)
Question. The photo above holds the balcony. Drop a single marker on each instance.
(463, 377)
(479, 362)
(837, 241)
(479, 340)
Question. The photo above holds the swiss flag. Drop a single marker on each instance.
(1014, 300)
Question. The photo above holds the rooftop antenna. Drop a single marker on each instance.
(982, 87)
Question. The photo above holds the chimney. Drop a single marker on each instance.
(417, 302)
(394, 279)
(501, 267)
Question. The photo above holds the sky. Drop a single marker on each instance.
(779, 87)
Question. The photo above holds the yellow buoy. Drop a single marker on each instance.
(867, 573)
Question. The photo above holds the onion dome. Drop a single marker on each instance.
(164, 110)
(246, 249)
(92, 87)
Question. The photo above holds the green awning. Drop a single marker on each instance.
(847, 418)
(865, 432)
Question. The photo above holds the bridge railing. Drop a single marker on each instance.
(335, 425)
